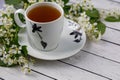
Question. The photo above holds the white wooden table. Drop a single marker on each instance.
(96, 61)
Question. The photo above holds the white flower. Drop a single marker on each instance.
(96, 38)
(32, 1)
(1, 58)
(10, 61)
(12, 30)
(1, 19)
(21, 59)
(7, 40)
(0, 52)
(2, 33)
(13, 46)
(95, 24)
(12, 51)
(111, 12)
(7, 56)
(20, 47)
(9, 9)
(75, 10)
(83, 20)
(7, 21)
(19, 52)
(5, 60)
(15, 61)
(26, 70)
(41, 0)
(1, 12)
(90, 26)
(60, 2)
(3, 50)
(86, 4)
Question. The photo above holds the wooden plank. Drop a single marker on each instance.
(104, 49)
(16, 74)
(95, 64)
(1, 3)
(114, 25)
(63, 71)
(112, 35)
(105, 4)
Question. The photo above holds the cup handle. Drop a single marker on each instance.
(17, 19)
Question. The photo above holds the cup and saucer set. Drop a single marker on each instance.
(52, 40)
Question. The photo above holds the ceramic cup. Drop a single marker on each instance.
(43, 36)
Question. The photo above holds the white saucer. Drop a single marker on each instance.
(66, 48)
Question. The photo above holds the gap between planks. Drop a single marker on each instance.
(85, 70)
(1, 78)
(101, 56)
(109, 40)
(43, 74)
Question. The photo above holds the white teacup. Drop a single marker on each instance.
(42, 35)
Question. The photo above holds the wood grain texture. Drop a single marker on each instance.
(62, 71)
(16, 74)
(105, 4)
(114, 25)
(1, 3)
(95, 64)
(104, 49)
(112, 35)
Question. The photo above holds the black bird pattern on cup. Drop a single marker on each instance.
(37, 29)
(76, 33)
(77, 36)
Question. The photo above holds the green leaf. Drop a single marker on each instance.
(101, 27)
(93, 13)
(25, 1)
(80, 10)
(16, 3)
(65, 1)
(16, 56)
(3, 64)
(24, 51)
(66, 9)
(112, 19)
(49, 0)
(15, 40)
(93, 20)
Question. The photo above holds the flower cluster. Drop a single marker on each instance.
(60, 2)
(32, 1)
(111, 12)
(112, 15)
(86, 4)
(11, 53)
(89, 28)
(77, 13)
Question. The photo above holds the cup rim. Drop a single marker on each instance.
(62, 13)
